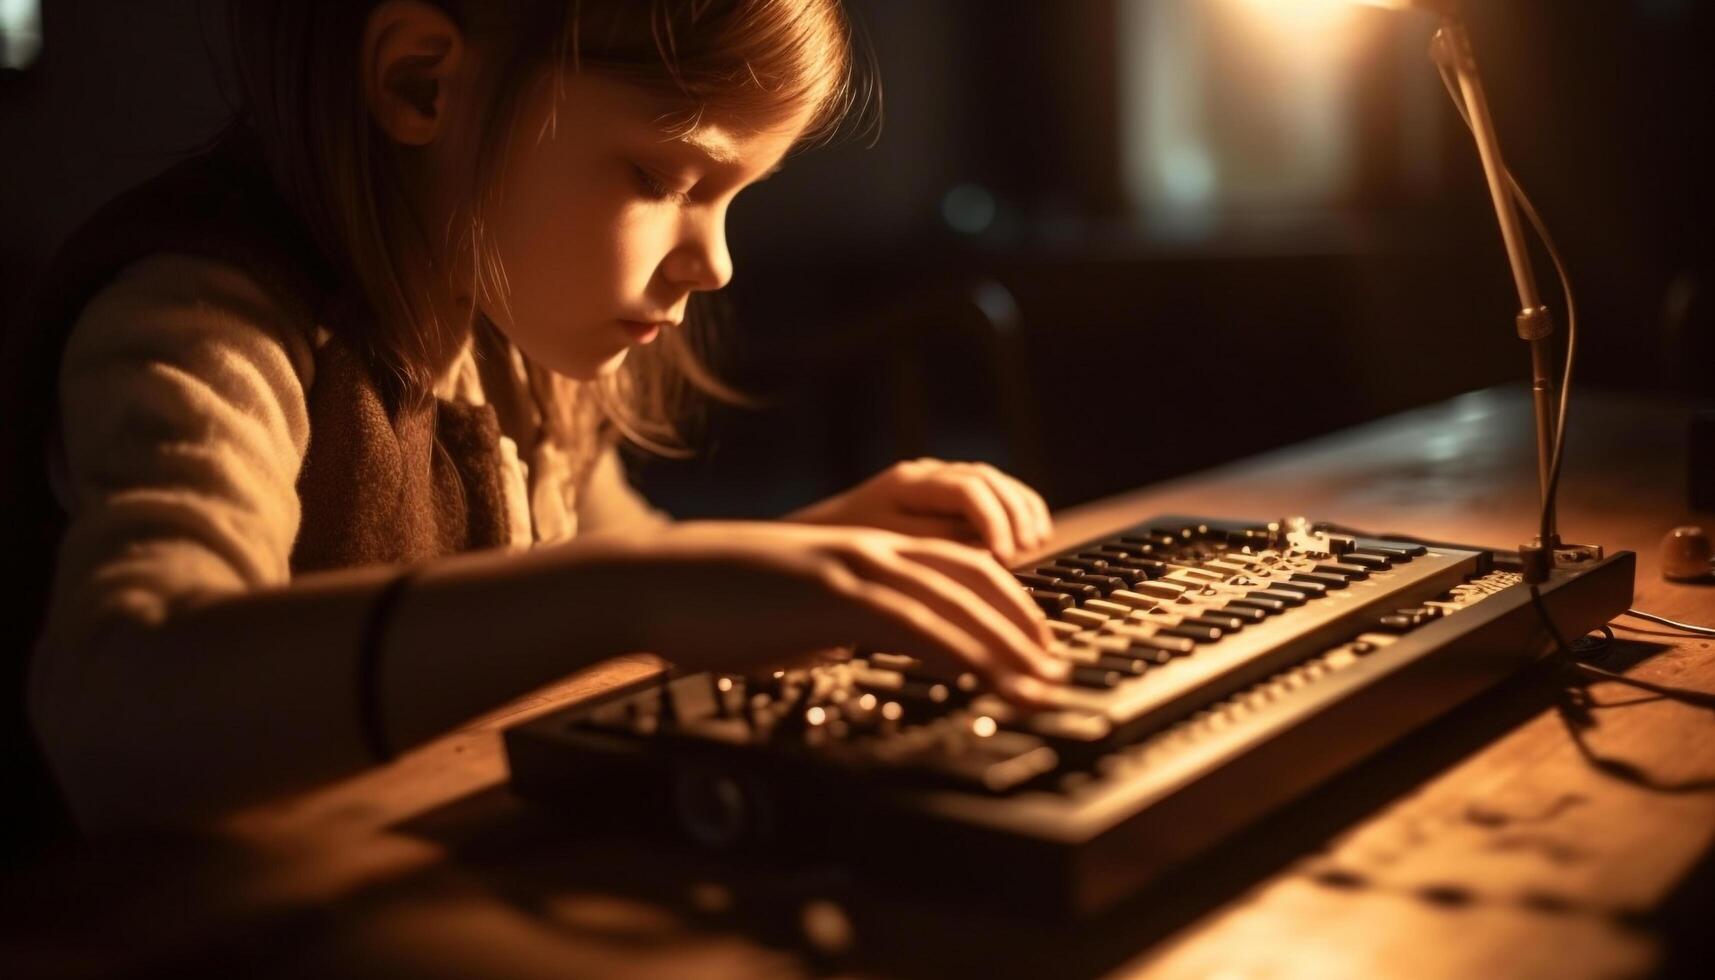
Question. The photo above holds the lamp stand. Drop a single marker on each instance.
(1452, 48)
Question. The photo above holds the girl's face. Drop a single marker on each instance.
(605, 223)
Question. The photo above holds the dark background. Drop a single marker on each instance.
(1062, 338)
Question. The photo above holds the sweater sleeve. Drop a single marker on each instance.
(183, 425)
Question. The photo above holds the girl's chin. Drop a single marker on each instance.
(612, 364)
(580, 365)
(585, 371)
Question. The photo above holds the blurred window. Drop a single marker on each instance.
(20, 33)
(1245, 114)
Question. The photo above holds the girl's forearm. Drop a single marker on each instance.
(256, 694)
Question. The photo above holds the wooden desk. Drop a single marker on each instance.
(1493, 843)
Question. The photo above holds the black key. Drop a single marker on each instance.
(1282, 595)
(1356, 573)
(1095, 677)
(1375, 563)
(1065, 573)
(1405, 550)
(1146, 568)
(1248, 537)
(1236, 607)
(1158, 648)
(1153, 655)
(1258, 601)
(1051, 602)
(1116, 556)
(1122, 665)
(1179, 534)
(1077, 590)
(1093, 565)
(1310, 590)
(1106, 583)
(1320, 578)
(1154, 566)
(1221, 621)
(1397, 623)
(1109, 583)
(1132, 576)
(1154, 538)
(1193, 631)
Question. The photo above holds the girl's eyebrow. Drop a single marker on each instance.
(715, 148)
(720, 150)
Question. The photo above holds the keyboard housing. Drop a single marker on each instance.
(1069, 809)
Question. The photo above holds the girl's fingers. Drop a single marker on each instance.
(1027, 692)
(970, 495)
(946, 597)
(1039, 507)
(933, 526)
(900, 622)
(1027, 528)
(977, 572)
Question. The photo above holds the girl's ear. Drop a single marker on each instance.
(411, 50)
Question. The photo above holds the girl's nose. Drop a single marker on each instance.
(701, 261)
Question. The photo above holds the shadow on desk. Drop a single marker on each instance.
(598, 883)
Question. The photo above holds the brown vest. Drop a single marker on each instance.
(378, 485)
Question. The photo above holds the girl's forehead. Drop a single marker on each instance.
(736, 143)
(676, 116)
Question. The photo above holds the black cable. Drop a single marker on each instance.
(1570, 659)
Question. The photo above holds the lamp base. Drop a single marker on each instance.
(1539, 560)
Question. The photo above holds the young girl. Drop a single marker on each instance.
(333, 467)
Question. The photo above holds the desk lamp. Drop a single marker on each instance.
(1452, 54)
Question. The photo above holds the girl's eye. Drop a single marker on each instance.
(654, 189)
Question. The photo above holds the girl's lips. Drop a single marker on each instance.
(642, 332)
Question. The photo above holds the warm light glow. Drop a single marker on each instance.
(1242, 113)
(1302, 15)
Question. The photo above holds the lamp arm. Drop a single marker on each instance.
(1452, 48)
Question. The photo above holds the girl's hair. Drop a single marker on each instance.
(297, 64)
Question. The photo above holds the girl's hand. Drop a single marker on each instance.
(723, 595)
(932, 498)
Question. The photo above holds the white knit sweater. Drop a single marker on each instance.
(184, 424)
